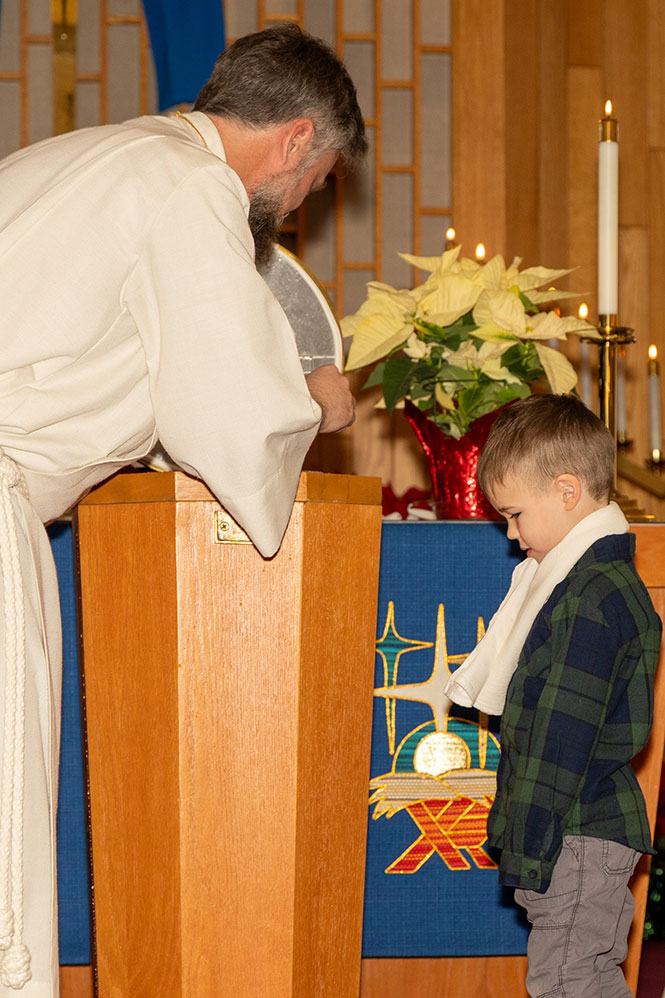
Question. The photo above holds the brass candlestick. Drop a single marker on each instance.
(613, 336)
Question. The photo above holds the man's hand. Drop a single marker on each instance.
(331, 390)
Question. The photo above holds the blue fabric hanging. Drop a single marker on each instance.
(186, 39)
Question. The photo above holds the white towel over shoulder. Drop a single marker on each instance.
(483, 679)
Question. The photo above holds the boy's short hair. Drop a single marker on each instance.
(543, 436)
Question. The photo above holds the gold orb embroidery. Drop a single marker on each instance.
(440, 753)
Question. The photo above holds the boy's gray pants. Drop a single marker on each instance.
(580, 925)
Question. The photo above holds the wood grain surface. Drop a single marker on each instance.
(229, 704)
(171, 486)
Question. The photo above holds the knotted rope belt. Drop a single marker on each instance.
(15, 959)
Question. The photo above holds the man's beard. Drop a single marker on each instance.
(265, 220)
(266, 212)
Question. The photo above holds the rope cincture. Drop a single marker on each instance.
(15, 960)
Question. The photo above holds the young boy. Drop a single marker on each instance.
(569, 816)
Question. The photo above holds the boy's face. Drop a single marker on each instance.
(538, 520)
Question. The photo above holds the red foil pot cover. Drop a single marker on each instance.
(453, 464)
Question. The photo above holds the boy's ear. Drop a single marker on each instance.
(569, 488)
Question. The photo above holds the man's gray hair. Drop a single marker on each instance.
(282, 74)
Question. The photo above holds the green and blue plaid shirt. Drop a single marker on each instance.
(578, 708)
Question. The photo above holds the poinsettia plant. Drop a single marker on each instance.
(470, 339)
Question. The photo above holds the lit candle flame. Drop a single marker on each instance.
(608, 108)
(480, 251)
(583, 311)
(653, 352)
(450, 234)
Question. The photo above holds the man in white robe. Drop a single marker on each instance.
(132, 310)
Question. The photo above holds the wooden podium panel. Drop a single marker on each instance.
(228, 702)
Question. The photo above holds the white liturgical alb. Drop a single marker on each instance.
(131, 310)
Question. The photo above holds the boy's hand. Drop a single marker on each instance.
(331, 390)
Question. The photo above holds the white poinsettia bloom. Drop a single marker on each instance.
(494, 370)
(449, 300)
(503, 309)
(573, 324)
(436, 265)
(490, 350)
(382, 322)
(551, 294)
(512, 272)
(445, 400)
(544, 326)
(492, 275)
(381, 403)
(469, 268)
(414, 347)
(495, 334)
(534, 277)
(492, 299)
(489, 362)
(465, 356)
(560, 372)
(550, 326)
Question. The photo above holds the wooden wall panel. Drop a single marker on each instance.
(522, 89)
(634, 302)
(552, 226)
(625, 31)
(76, 982)
(479, 125)
(453, 977)
(585, 37)
(655, 76)
(584, 103)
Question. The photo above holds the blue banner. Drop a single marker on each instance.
(431, 884)
(72, 836)
(186, 40)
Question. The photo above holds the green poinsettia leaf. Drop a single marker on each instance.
(464, 322)
(376, 377)
(529, 305)
(503, 394)
(419, 391)
(451, 335)
(469, 400)
(397, 376)
(450, 372)
(523, 361)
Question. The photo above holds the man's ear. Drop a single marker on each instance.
(295, 140)
(569, 488)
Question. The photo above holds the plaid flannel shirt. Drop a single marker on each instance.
(578, 708)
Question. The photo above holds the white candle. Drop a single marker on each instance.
(622, 423)
(585, 363)
(480, 252)
(654, 404)
(608, 213)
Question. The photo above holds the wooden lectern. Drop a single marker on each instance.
(228, 703)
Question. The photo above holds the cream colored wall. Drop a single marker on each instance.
(113, 67)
